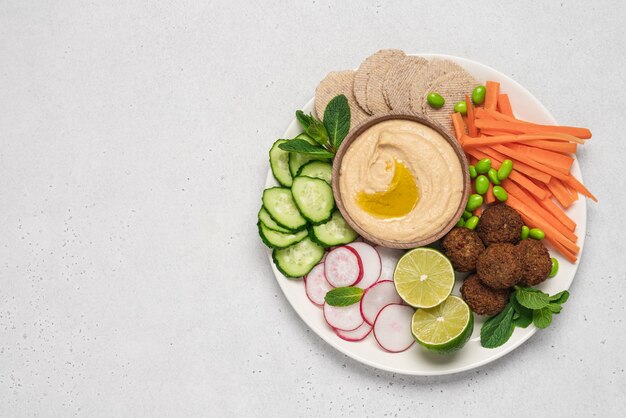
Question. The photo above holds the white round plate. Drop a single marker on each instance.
(416, 361)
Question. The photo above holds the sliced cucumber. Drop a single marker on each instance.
(267, 220)
(318, 170)
(279, 162)
(314, 199)
(334, 232)
(278, 202)
(297, 160)
(298, 259)
(275, 239)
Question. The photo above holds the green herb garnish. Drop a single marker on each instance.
(344, 296)
(337, 120)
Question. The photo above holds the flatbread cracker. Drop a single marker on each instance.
(452, 87)
(362, 75)
(375, 99)
(399, 79)
(436, 68)
(334, 84)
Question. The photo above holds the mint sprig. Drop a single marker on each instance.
(337, 120)
(344, 296)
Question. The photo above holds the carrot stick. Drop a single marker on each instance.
(579, 187)
(558, 213)
(562, 147)
(530, 128)
(504, 139)
(471, 127)
(493, 132)
(560, 193)
(572, 192)
(521, 157)
(504, 105)
(459, 125)
(489, 195)
(520, 179)
(571, 257)
(491, 95)
(555, 160)
(478, 211)
(530, 201)
(527, 170)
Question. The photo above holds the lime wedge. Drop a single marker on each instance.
(444, 328)
(424, 277)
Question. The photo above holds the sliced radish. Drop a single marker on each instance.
(389, 258)
(316, 285)
(343, 267)
(378, 296)
(345, 318)
(355, 335)
(392, 328)
(371, 263)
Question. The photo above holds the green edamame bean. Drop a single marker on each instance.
(478, 95)
(500, 193)
(505, 169)
(435, 100)
(467, 215)
(481, 185)
(472, 171)
(461, 107)
(471, 223)
(460, 223)
(537, 234)
(474, 202)
(555, 267)
(525, 231)
(483, 166)
(493, 176)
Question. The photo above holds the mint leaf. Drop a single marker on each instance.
(523, 316)
(560, 298)
(337, 119)
(304, 119)
(531, 298)
(303, 147)
(317, 131)
(542, 318)
(554, 308)
(498, 329)
(343, 296)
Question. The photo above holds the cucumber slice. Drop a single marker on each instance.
(297, 260)
(279, 162)
(278, 202)
(314, 199)
(334, 232)
(267, 220)
(296, 160)
(275, 239)
(318, 170)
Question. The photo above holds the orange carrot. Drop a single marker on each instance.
(459, 125)
(491, 95)
(497, 158)
(504, 139)
(562, 147)
(571, 257)
(504, 105)
(471, 127)
(558, 213)
(560, 193)
(530, 201)
(523, 181)
(521, 157)
(579, 187)
(489, 195)
(478, 211)
(530, 128)
(555, 160)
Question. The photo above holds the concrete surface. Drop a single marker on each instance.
(133, 141)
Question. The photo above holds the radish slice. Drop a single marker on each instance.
(389, 258)
(343, 267)
(345, 318)
(371, 263)
(316, 285)
(376, 297)
(392, 328)
(355, 335)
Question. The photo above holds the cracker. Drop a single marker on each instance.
(334, 84)
(435, 69)
(362, 75)
(400, 78)
(375, 99)
(452, 87)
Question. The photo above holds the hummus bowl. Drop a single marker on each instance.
(400, 180)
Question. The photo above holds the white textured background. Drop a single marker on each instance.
(133, 151)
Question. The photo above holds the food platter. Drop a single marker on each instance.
(415, 361)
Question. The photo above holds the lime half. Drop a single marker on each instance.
(444, 328)
(424, 277)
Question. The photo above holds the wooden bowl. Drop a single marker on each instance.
(415, 118)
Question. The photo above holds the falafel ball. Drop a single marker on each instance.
(535, 261)
(462, 246)
(500, 223)
(499, 266)
(482, 299)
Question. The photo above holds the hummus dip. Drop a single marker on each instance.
(401, 181)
